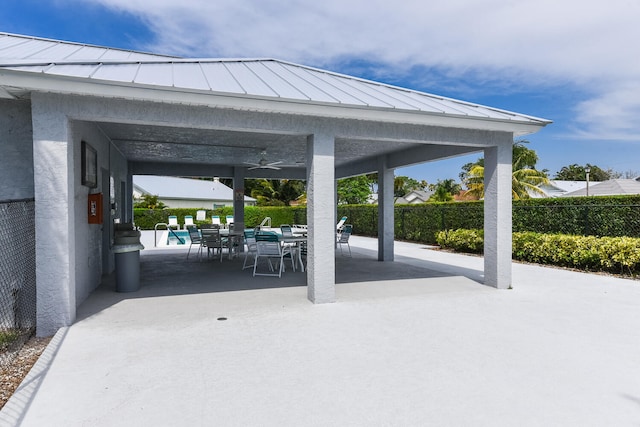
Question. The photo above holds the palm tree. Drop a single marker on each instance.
(524, 180)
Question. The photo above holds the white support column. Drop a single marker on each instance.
(497, 214)
(386, 228)
(238, 194)
(321, 207)
(53, 165)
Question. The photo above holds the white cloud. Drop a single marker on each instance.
(589, 43)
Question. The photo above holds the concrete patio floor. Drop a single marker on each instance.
(415, 342)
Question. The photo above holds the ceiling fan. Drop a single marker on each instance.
(263, 163)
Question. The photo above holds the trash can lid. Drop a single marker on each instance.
(118, 249)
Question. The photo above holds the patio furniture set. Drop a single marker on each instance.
(266, 249)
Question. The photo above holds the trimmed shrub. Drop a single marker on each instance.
(461, 240)
(612, 254)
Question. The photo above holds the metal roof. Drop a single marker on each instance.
(168, 187)
(612, 187)
(268, 79)
(18, 47)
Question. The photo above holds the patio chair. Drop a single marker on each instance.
(250, 241)
(188, 221)
(201, 215)
(212, 241)
(286, 230)
(340, 224)
(229, 219)
(268, 246)
(343, 238)
(173, 222)
(195, 237)
(215, 219)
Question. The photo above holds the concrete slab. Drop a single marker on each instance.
(415, 342)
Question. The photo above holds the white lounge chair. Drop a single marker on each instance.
(229, 220)
(188, 220)
(215, 219)
(173, 222)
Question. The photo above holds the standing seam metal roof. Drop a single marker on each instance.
(265, 78)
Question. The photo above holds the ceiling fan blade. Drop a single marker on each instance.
(270, 166)
(273, 163)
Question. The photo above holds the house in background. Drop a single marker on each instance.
(558, 188)
(186, 192)
(612, 187)
(414, 197)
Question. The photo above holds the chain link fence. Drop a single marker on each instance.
(17, 277)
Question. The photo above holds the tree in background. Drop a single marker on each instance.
(274, 192)
(354, 190)
(576, 172)
(444, 190)
(525, 179)
(149, 201)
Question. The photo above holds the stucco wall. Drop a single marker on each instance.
(88, 237)
(16, 143)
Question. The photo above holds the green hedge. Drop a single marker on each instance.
(598, 216)
(612, 254)
(146, 219)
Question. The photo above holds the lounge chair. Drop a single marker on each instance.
(215, 219)
(343, 238)
(201, 215)
(188, 220)
(229, 220)
(173, 222)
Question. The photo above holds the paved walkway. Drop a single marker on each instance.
(411, 343)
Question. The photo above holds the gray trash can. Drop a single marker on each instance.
(127, 253)
(127, 267)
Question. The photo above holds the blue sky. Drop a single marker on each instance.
(574, 62)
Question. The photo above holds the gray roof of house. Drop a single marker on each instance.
(612, 187)
(168, 187)
(254, 78)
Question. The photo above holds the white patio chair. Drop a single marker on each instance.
(229, 219)
(268, 247)
(188, 221)
(250, 241)
(343, 238)
(215, 220)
